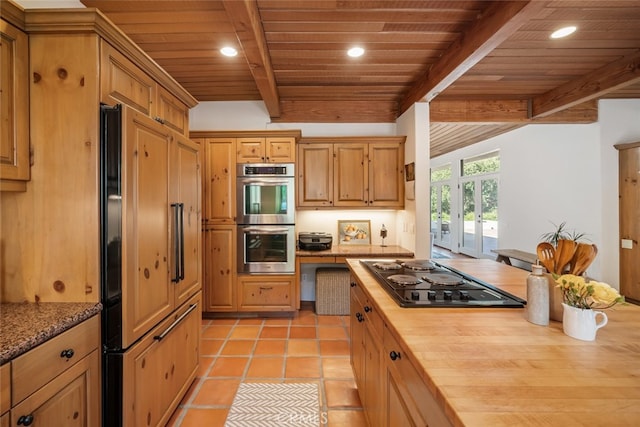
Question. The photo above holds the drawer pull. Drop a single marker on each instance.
(266, 288)
(394, 355)
(367, 309)
(25, 420)
(68, 353)
(175, 323)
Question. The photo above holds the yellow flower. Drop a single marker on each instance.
(578, 292)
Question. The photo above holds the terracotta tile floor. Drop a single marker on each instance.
(304, 348)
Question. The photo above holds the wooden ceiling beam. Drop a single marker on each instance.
(616, 75)
(506, 111)
(499, 21)
(245, 17)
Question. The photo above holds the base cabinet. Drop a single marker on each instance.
(219, 268)
(391, 391)
(58, 388)
(266, 292)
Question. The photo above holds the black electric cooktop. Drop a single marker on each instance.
(425, 283)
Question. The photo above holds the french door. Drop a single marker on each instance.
(479, 216)
(441, 214)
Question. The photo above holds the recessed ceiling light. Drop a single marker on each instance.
(228, 51)
(355, 52)
(563, 32)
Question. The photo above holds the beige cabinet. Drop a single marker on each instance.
(266, 292)
(14, 110)
(351, 172)
(159, 369)
(629, 191)
(58, 382)
(266, 149)
(220, 268)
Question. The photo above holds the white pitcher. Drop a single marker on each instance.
(581, 323)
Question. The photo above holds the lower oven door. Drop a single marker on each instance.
(266, 249)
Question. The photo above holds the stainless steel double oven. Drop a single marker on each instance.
(265, 201)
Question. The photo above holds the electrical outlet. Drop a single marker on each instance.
(626, 244)
(305, 277)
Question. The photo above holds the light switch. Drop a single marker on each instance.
(626, 243)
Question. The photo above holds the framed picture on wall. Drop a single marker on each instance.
(354, 232)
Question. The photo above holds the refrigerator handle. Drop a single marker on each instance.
(181, 224)
(175, 278)
(175, 323)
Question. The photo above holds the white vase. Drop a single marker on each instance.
(581, 323)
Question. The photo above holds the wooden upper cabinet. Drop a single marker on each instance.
(280, 150)
(14, 110)
(351, 176)
(386, 175)
(122, 82)
(315, 175)
(266, 150)
(351, 172)
(171, 112)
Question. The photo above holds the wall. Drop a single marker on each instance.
(556, 173)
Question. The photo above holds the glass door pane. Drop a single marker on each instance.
(468, 245)
(445, 216)
(489, 216)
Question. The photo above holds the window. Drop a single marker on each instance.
(482, 164)
(441, 173)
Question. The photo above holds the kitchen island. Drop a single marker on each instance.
(490, 367)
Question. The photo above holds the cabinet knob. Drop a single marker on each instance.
(360, 317)
(68, 353)
(394, 355)
(367, 309)
(25, 420)
(353, 284)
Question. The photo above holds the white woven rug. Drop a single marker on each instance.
(268, 404)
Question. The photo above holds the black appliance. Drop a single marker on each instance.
(314, 241)
(425, 283)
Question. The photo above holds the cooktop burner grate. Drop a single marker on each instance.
(419, 265)
(387, 265)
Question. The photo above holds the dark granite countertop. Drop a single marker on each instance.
(26, 325)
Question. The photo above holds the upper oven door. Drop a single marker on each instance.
(266, 249)
(265, 200)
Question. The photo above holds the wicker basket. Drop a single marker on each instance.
(332, 291)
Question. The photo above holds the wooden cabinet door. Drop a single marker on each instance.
(629, 160)
(315, 175)
(159, 369)
(373, 386)
(397, 414)
(171, 112)
(386, 175)
(185, 186)
(250, 150)
(357, 343)
(122, 82)
(147, 293)
(14, 105)
(350, 185)
(72, 399)
(220, 268)
(280, 150)
(220, 182)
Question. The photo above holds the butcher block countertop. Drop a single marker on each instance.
(490, 367)
(361, 251)
(26, 325)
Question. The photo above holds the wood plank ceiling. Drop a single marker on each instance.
(486, 67)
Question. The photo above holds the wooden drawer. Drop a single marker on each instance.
(5, 388)
(37, 367)
(413, 391)
(371, 314)
(257, 293)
